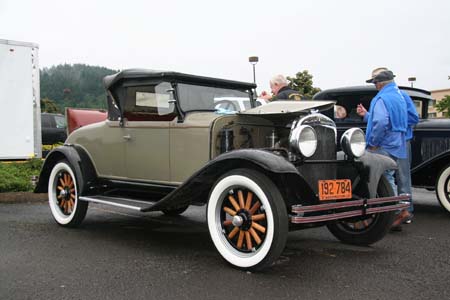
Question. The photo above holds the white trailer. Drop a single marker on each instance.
(20, 110)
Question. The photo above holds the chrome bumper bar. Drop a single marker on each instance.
(355, 208)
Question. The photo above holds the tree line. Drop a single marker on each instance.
(77, 85)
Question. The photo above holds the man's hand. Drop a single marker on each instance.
(361, 110)
(265, 95)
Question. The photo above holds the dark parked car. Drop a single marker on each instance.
(430, 167)
(261, 172)
(53, 128)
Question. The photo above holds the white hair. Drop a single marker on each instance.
(279, 80)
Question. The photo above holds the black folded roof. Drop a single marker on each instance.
(111, 80)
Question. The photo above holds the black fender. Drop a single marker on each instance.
(374, 166)
(291, 183)
(78, 159)
(425, 174)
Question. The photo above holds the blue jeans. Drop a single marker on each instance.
(403, 175)
(389, 174)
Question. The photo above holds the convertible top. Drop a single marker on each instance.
(142, 74)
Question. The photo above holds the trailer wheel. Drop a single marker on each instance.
(66, 208)
(368, 229)
(247, 219)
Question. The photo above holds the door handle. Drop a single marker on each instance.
(127, 137)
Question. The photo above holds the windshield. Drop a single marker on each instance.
(196, 97)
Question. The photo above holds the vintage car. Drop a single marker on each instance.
(53, 128)
(261, 172)
(430, 164)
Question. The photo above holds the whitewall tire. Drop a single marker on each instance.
(443, 188)
(63, 187)
(247, 219)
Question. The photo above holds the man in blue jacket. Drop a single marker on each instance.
(387, 125)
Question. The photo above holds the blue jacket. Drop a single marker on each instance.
(387, 121)
(413, 117)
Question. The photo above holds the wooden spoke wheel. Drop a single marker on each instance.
(66, 209)
(365, 230)
(247, 219)
(243, 218)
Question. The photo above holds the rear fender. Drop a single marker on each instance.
(283, 173)
(78, 159)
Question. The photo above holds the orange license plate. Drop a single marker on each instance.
(335, 189)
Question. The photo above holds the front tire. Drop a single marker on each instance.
(66, 208)
(247, 219)
(443, 188)
(364, 231)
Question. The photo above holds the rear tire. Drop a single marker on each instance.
(247, 219)
(366, 230)
(66, 208)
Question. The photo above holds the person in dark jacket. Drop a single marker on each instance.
(280, 90)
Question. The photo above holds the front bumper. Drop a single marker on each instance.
(347, 209)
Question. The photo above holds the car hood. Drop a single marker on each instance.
(434, 124)
(283, 108)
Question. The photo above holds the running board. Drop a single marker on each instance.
(120, 202)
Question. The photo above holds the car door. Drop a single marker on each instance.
(148, 114)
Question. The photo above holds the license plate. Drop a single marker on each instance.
(335, 189)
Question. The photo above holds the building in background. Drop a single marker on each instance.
(437, 96)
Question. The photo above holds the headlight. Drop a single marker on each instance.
(304, 140)
(353, 142)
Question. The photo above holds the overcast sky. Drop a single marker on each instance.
(339, 42)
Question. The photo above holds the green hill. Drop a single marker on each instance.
(75, 85)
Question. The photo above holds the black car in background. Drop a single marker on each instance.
(430, 166)
(53, 128)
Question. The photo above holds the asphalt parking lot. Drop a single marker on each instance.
(121, 255)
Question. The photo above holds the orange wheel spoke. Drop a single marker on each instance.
(233, 232)
(61, 204)
(255, 236)
(241, 199)
(249, 200)
(65, 179)
(60, 188)
(61, 181)
(240, 239)
(248, 241)
(229, 211)
(72, 196)
(255, 207)
(259, 227)
(59, 197)
(259, 217)
(72, 190)
(233, 202)
(227, 223)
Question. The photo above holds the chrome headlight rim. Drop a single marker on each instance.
(353, 142)
(304, 140)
